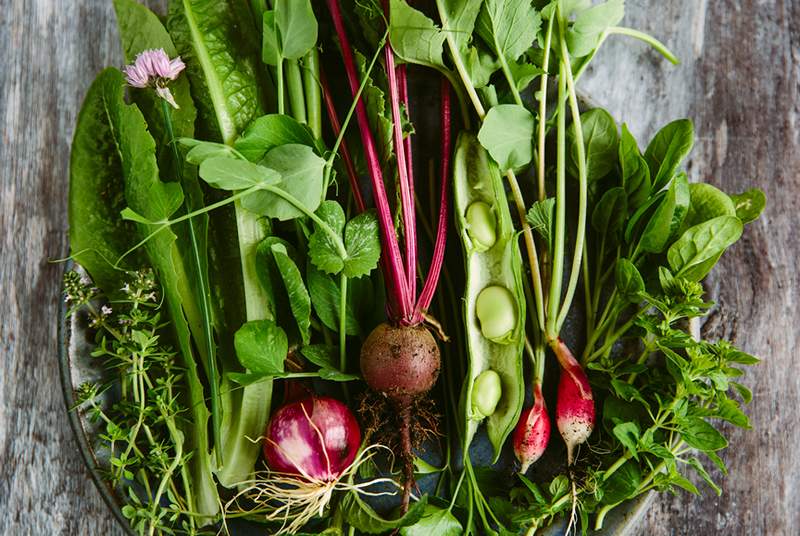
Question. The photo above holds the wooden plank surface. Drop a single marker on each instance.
(739, 82)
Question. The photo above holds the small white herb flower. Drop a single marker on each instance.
(105, 310)
(153, 68)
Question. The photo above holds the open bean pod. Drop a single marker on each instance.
(494, 300)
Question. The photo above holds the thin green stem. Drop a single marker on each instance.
(560, 227)
(313, 92)
(281, 89)
(294, 87)
(583, 189)
(543, 108)
(343, 323)
(660, 47)
(512, 84)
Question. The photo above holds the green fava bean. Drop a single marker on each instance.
(481, 226)
(496, 310)
(486, 394)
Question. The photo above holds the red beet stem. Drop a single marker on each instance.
(441, 229)
(402, 302)
(346, 157)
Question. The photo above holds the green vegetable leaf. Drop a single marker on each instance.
(611, 212)
(480, 66)
(221, 55)
(290, 31)
(629, 282)
(523, 73)
(623, 483)
(363, 245)
(697, 250)
(707, 202)
(322, 355)
(508, 27)
(749, 205)
(601, 142)
(628, 434)
(541, 217)
(261, 347)
(668, 217)
(231, 174)
(590, 25)
(458, 20)
(699, 434)
(635, 172)
(414, 37)
(299, 299)
(698, 467)
(436, 521)
(301, 172)
(361, 515)
(200, 151)
(270, 131)
(325, 297)
(98, 235)
(507, 133)
(322, 247)
(667, 150)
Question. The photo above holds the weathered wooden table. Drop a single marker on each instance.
(739, 82)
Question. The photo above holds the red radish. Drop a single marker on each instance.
(317, 437)
(400, 358)
(532, 432)
(575, 415)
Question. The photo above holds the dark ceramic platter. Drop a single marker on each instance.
(77, 366)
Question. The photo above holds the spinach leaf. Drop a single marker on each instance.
(707, 202)
(610, 213)
(261, 347)
(635, 172)
(507, 133)
(414, 37)
(221, 62)
(271, 131)
(698, 249)
(299, 299)
(749, 205)
(668, 217)
(667, 150)
(629, 281)
(98, 235)
(508, 27)
(601, 142)
(290, 31)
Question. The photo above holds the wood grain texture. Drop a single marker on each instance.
(740, 82)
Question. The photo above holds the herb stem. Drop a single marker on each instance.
(343, 323)
(294, 86)
(543, 109)
(313, 92)
(660, 47)
(281, 90)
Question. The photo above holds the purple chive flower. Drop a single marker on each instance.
(153, 68)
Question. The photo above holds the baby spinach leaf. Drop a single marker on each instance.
(601, 142)
(436, 521)
(508, 27)
(261, 347)
(414, 37)
(290, 31)
(361, 515)
(668, 217)
(232, 174)
(667, 150)
(301, 174)
(586, 32)
(692, 255)
(749, 205)
(507, 133)
(299, 300)
(325, 297)
(362, 242)
(635, 172)
(221, 61)
(629, 281)
(98, 235)
(707, 202)
(322, 248)
(611, 212)
(271, 131)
